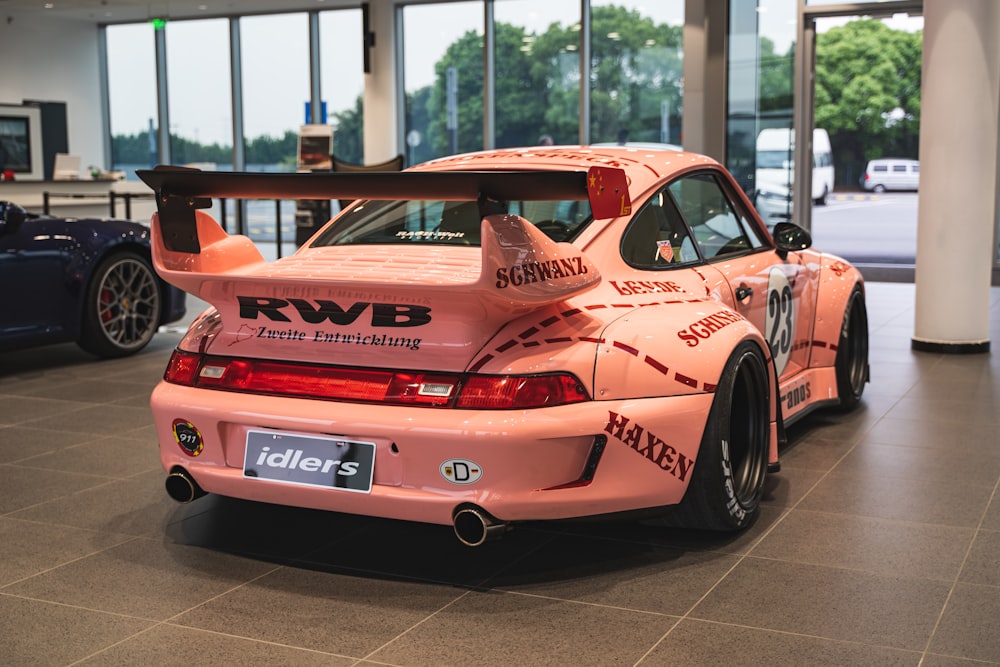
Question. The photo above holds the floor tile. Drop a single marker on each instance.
(899, 498)
(494, 628)
(41, 633)
(170, 645)
(617, 574)
(333, 613)
(981, 565)
(968, 628)
(834, 603)
(143, 578)
(28, 548)
(879, 546)
(700, 643)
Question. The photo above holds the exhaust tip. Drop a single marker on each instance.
(182, 487)
(474, 526)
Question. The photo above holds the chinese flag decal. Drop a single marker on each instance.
(607, 189)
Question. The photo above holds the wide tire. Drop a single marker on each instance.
(122, 307)
(725, 488)
(852, 352)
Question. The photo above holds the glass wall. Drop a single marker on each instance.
(760, 133)
(342, 80)
(537, 53)
(199, 92)
(132, 97)
(636, 71)
(275, 62)
(443, 79)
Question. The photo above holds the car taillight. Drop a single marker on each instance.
(505, 392)
(277, 378)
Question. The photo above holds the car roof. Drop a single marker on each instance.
(643, 167)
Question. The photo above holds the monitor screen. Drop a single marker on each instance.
(15, 144)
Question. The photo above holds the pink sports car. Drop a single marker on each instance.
(502, 336)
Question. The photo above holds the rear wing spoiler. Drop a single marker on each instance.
(180, 191)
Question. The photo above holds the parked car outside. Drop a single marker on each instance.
(88, 280)
(891, 174)
(504, 336)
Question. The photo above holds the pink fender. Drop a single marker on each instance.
(837, 282)
(641, 356)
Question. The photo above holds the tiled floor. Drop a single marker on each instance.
(879, 544)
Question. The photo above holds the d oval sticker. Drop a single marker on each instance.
(460, 471)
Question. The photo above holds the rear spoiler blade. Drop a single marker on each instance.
(179, 191)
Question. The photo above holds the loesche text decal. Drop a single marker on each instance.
(649, 445)
(627, 287)
(533, 272)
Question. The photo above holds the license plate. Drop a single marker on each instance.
(306, 460)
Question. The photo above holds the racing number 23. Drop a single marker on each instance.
(780, 325)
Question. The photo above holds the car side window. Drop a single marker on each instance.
(657, 237)
(718, 228)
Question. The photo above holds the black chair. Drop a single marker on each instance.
(339, 166)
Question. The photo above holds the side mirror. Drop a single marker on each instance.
(11, 216)
(789, 236)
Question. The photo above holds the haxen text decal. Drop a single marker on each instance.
(649, 445)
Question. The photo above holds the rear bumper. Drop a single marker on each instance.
(533, 463)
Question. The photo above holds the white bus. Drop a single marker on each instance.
(776, 171)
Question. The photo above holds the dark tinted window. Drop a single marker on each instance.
(718, 226)
(444, 222)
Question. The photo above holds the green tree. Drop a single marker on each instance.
(348, 133)
(868, 92)
(635, 70)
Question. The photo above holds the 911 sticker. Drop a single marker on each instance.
(780, 321)
(188, 437)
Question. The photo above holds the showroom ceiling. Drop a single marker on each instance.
(117, 11)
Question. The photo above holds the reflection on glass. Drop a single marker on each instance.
(760, 138)
(132, 96)
(538, 72)
(636, 71)
(199, 92)
(275, 50)
(342, 80)
(443, 79)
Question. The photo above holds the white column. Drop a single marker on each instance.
(383, 104)
(957, 215)
(703, 121)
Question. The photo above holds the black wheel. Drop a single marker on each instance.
(725, 488)
(122, 306)
(852, 352)
(821, 200)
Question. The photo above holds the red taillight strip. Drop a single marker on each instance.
(365, 385)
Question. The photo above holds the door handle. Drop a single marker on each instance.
(743, 292)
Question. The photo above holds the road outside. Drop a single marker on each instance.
(868, 228)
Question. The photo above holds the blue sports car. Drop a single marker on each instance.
(84, 280)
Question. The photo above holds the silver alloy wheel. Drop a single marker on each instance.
(123, 307)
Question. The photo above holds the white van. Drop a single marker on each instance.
(775, 172)
(891, 174)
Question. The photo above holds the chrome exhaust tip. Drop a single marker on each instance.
(475, 526)
(182, 487)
